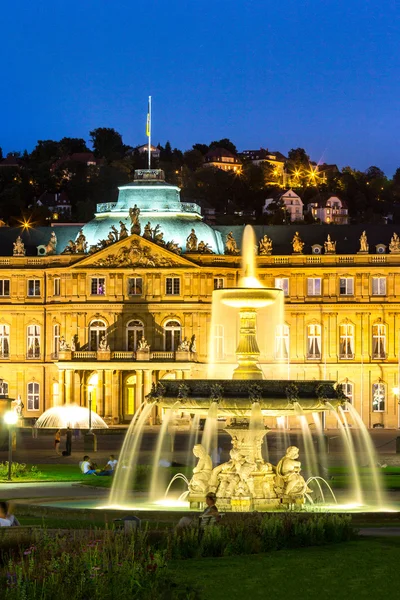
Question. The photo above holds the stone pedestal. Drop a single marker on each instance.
(104, 355)
(143, 354)
(182, 355)
(65, 355)
(90, 443)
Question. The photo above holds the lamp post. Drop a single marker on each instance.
(10, 418)
(90, 439)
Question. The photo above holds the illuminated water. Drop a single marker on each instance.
(69, 415)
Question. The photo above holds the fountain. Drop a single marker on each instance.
(69, 415)
(247, 481)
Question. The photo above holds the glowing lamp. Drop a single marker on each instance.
(395, 391)
(10, 417)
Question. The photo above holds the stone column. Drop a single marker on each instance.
(69, 388)
(139, 389)
(100, 394)
(116, 409)
(108, 393)
(148, 378)
(61, 385)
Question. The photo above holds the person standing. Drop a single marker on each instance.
(68, 445)
(57, 440)
(34, 429)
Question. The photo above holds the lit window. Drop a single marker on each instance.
(282, 342)
(4, 287)
(379, 286)
(313, 286)
(56, 286)
(379, 341)
(282, 283)
(172, 286)
(56, 340)
(97, 329)
(98, 287)
(33, 341)
(4, 389)
(4, 341)
(348, 390)
(56, 393)
(172, 335)
(135, 286)
(218, 283)
(134, 333)
(314, 341)
(346, 286)
(219, 342)
(378, 397)
(346, 340)
(33, 389)
(33, 287)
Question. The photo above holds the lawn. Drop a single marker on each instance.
(366, 568)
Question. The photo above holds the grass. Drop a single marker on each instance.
(354, 570)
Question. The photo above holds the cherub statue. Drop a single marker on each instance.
(123, 232)
(18, 247)
(394, 246)
(288, 480)
(201, 472)
(103, 344)
(204, 248)
(148, 232)
(134, 215)
(231, 245)
(364, 247)
(143, 345)
(81, 243)
(330, 246)
(297, 244)
(191, 242)
(265, 246)
(63, 344)
(184, 346)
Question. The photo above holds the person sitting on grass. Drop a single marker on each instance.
(110, 467)
(87, 467)
(6, 518)
(209, 516)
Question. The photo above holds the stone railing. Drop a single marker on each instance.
(84, 355)
(163, 355)
(123, 355)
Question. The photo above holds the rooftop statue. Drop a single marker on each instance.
(115, 233)
(174, 247)
(231, 245)
(158, 235)
(81, 243)
(288, 480)
(265, 246)
(364, 247)
(297, 244)
(134, 215)
(148, 233)
(330, 246)
(18, 247)
(50, 248)
(394, 246)
(70, 248)
(201, 472)
(204, 248)
(191, 242)
(123, 232)
(103, 344)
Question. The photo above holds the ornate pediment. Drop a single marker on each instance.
(134, 252)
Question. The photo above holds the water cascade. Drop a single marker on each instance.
(163, 448)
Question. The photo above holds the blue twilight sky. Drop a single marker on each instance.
(321, 74)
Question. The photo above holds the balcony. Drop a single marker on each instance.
(128, 356)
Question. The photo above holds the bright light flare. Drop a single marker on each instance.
(10, 417)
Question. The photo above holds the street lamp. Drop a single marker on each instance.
(10, 418)
(90, 440)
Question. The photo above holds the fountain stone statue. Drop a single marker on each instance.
(288, 480)
(202, 471)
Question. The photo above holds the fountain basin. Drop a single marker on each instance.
(248, 297)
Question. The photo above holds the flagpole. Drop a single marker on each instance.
(149, 138)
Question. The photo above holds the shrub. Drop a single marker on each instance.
(19, 470)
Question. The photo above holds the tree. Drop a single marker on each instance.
(224, 143)
(107, 143)
(193, 159)
(72, 145)
(299, 156)
(202, 148)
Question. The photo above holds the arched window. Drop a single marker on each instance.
(96, 331)
(378, 397)
(33, 395)
(33, 332)
(314, 341)
(346, 340)
(172, 335)
(4, 341)
(3, 388)
(56, 339)
(134, 333)
(379, 340)
(282, 342)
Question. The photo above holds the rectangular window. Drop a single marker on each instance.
(379, 286)
(33, 287)
(379, 341)
(135, 286)
(172, 286)
(282, 342)
(56, 286)
(98, 287)
(33, 396)
(313, 286)
(282, 283)
(346, 286)
(218, 283)
(33, 341)
(56, 340)
(4, 287)
(314, 342)
(346, 341)
(348, 390)
(4, 341)
(378, 397)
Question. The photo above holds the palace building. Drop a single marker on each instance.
(126, 301)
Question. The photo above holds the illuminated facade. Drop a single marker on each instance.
(75, 319)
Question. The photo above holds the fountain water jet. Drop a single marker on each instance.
(69, 415)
